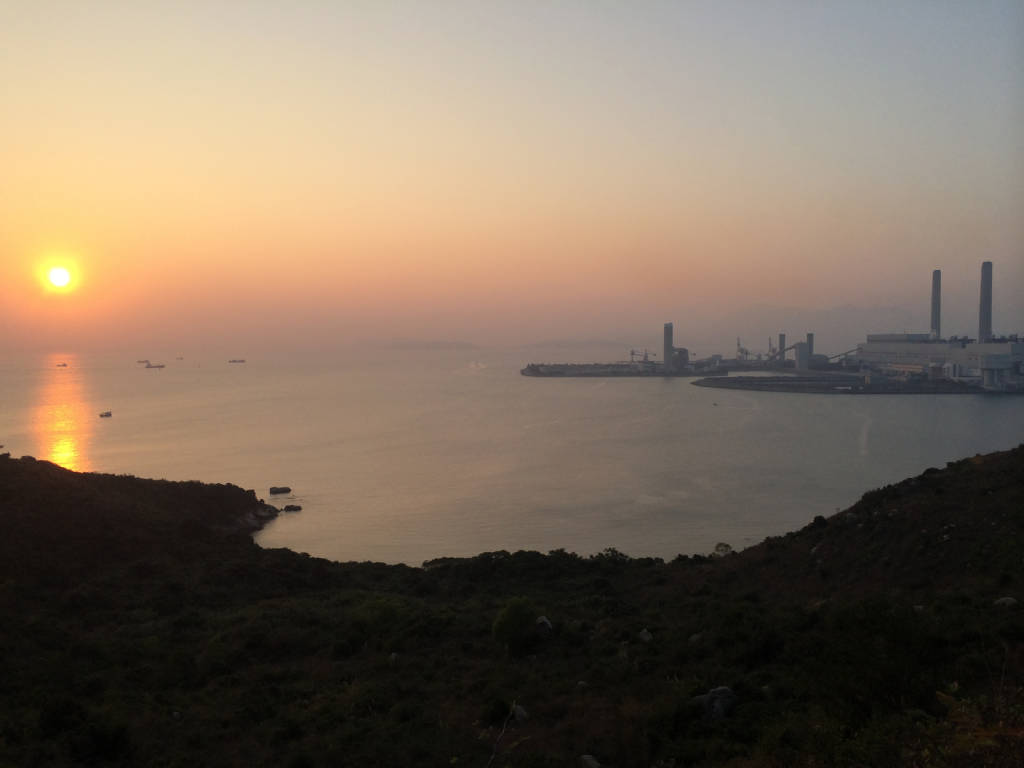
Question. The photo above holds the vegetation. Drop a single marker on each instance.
(140, 625)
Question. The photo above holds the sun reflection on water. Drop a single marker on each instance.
(62, 425)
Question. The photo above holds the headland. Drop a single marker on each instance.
(142, 626)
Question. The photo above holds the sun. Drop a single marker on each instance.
(59, 273)
(59, 277)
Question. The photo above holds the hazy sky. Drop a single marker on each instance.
(244, 173)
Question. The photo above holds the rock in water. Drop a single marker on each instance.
(276, 489)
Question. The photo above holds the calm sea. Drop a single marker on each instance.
(406, 455)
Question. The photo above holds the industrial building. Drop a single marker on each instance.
(674, 359)
(993, 363)
(885, 363)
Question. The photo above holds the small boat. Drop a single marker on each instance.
(155, 365)
(62, 365)
(237, 360)
(105, 415)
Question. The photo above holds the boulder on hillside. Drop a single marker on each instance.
(717, 703)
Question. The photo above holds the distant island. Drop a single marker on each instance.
(143, 626)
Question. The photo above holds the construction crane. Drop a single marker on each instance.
(742, 353)
(644, 356)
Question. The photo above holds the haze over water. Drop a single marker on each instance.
(305, 184)
(407, 455)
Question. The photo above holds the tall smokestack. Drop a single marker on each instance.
(936, 304)
(985, 310)
(668, 351)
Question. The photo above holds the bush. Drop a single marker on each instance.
(515, 626)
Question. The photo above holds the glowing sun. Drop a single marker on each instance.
(59, 277)
(58, 273)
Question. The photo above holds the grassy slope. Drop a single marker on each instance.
(141, 625)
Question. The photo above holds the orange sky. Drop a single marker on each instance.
(512, 173)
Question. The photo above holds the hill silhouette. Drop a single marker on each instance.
(142, 626)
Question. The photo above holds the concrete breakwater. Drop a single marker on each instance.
(609, 369)
(839, 384)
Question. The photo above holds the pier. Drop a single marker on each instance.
(613, 370)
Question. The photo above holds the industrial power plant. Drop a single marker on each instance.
(886, 363)
(991, 363)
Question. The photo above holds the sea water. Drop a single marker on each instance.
(406, 455)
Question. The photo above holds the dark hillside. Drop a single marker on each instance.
(956, 529)
(140, 625)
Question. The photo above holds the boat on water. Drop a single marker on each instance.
(237, 360)
(105, 415)
(155, 365)
(62, 365)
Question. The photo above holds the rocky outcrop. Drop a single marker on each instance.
(717, 703)
(255, 518)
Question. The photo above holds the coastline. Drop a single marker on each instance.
(838, 384)
(150, 629)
